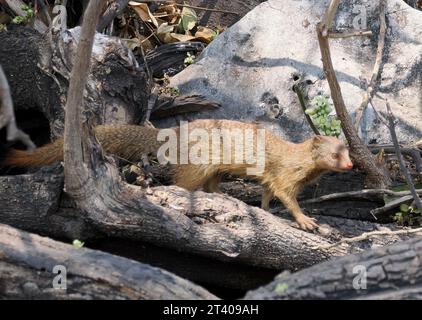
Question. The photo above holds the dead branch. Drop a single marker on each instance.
(391, 127)
(76, 148)
(391, 205)
(113, 10)
(390, 272)
(27, 263)
(376, 176)
(375, 72)
(368, 235)
(328, 19)
(349, 34)
(298, 90)
(152, 100)
(361, 194)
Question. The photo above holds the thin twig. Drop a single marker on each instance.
(297, 89)
(391, 205)
(151, 103)
(349, 34)
(44, 10)
(367, 235)
(377, 65)
(207, 9)
(391, 127)
(361, 194)
(147, 68)
(329, 17)
(192, 7)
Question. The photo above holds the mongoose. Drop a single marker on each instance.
(286, 166)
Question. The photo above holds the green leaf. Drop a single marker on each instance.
(189, 19)
(78, 244)
(404, 207)
(281, 288)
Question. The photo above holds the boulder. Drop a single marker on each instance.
(252, 67)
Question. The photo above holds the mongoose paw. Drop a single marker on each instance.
(306, 223)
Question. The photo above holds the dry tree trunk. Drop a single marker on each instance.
(27, 263)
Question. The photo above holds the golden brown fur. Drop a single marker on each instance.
(288, 166)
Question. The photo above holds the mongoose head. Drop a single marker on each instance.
(331, 154)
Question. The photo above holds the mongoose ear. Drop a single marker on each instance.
(318, 140)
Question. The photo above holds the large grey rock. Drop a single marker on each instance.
(251, 67)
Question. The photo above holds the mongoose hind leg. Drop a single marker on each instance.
(191, 177)
(267, 196)
(212, 184)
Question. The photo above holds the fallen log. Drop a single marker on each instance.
(209, 225)
(391, 272)
(28, 263)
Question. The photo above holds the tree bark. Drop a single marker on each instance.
(210, 225)
(39, 71)
(27, 262)
(392, 272)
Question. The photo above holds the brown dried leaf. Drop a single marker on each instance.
(143, 12)
(205, 34)
(169, 13)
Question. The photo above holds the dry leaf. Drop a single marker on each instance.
(143, 12)
(134, 43)
(169, 13)
(177, 37)
(205, 34)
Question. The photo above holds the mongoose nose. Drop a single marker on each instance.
(349, 165)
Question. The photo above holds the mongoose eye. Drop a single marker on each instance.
(335, 156)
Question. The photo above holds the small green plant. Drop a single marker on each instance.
(78, 244)
(215, 34)
(174, 91)
(407, 216)
(29, 15)
(320, 115)
(190, 59)
(281, 288)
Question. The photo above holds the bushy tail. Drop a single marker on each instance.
(39, 157)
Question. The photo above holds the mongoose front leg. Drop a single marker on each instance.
(292, 205)
(267, 196)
